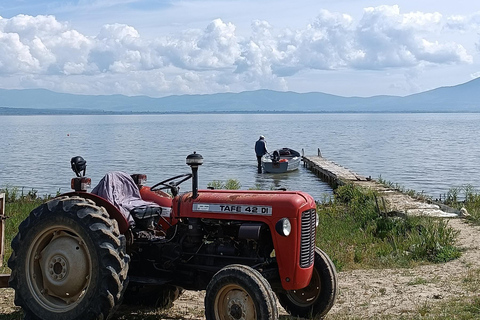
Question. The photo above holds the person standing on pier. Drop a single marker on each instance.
(260, 150)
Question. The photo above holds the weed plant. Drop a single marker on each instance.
(230, 184)
(465, 197)
(356, 234)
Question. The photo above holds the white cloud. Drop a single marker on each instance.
(391, 39)
(328, 43)
(118, 48)
(216, 47)
(119, 60)
(15, 56)
(40, 44)
(464, 23)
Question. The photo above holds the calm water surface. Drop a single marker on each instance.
(424, 152)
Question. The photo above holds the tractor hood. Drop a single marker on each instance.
(243, 204)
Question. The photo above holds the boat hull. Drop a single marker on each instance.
(288, 160)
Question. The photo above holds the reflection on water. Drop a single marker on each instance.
(424, 152)
(277, 180)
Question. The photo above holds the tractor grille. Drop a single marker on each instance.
(307, 246)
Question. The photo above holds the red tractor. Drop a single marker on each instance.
(82, 254)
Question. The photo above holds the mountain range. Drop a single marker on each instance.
(460, 98)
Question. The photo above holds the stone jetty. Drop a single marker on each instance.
(390, 199)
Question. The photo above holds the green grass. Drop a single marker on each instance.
(464, 197)
(357, 235)
(230, 184)
(17, 207)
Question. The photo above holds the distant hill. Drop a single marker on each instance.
(461, 98)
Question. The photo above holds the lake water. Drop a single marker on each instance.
(424, 152)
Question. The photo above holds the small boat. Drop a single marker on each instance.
(281, 160)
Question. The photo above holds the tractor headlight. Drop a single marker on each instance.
(283, 227)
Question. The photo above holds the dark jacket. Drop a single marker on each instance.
(260, 147)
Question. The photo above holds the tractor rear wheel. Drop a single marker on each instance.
(68, 262)
(239, 292)
(315, 300)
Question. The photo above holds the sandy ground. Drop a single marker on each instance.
(362, 293)
(367, 293)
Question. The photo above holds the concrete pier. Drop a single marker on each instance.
(393, 200)
(331, 172)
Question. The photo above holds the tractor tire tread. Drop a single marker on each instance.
(112, 259)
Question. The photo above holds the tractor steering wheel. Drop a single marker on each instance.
(171, 183)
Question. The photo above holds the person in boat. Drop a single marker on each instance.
(260, 150)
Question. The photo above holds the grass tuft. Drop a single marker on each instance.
(230, 184)
(356, 234)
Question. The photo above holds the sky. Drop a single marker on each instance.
(161, 48)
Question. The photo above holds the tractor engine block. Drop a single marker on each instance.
(203, 245)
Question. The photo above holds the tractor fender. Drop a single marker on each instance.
(112, 211)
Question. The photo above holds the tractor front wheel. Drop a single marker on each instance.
(68, 262)
(239, 292)
(316, 299)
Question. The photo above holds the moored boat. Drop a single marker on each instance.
(281, 160)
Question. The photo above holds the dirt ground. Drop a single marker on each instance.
(362, 293)
(367, 293)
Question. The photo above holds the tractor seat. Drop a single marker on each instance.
(146, 217)
(146, 212)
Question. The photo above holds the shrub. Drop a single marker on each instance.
(465, 197)
(433, 241)
(356, 234)
(230, 184)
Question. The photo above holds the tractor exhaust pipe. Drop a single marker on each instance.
(194, 160)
